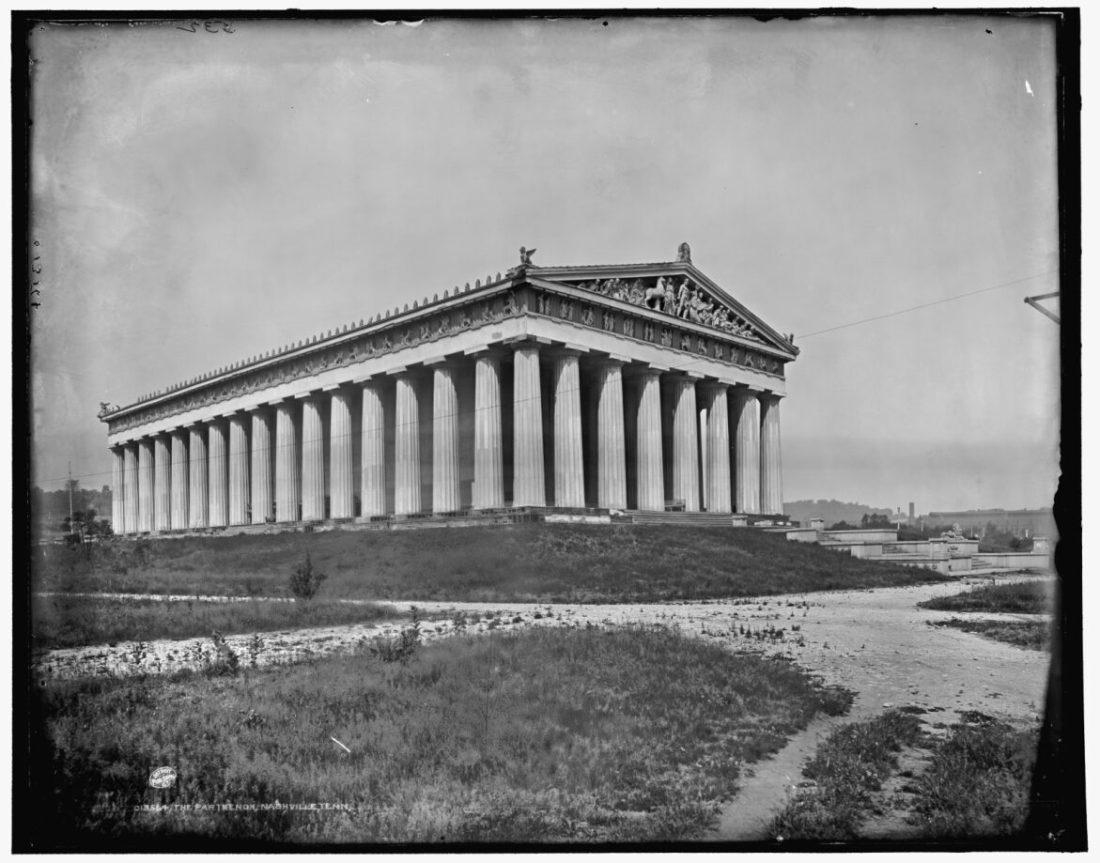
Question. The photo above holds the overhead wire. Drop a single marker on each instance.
(927, 305)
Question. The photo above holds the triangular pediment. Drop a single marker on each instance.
(677, 290)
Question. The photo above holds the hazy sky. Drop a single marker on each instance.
(203, 197)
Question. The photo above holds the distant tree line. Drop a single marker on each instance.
(870, 521)
(50, 511)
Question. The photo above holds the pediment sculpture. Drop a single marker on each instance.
(684, 300)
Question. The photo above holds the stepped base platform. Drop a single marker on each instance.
(484, 517)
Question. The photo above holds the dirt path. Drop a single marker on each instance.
(876, 642)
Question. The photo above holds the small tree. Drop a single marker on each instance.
(305, 582)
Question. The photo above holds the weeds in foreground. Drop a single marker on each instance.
(540, 735)
(848, 768)
(1030, 634)
(401, 648)
(979, 782)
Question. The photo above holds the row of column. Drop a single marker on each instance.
(252, 468)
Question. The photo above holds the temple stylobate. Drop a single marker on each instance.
(634, 387)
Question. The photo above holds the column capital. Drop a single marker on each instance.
(555, 352)
(712, 386)
(635, 371)
(751, 388)
(610, 360)
(526, 341)
(771, 395)
(682, 375)
(444, 362)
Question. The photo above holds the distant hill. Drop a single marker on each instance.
(830, 510)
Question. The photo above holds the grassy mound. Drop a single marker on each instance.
(546, 735)
(521, 563)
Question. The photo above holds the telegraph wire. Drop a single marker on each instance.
(472, 411)
(927, 305)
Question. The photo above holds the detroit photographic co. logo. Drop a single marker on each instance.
(162, 777)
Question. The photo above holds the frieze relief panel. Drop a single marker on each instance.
(468, 316)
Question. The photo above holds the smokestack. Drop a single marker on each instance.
(912, 512)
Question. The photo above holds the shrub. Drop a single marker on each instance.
(305, 582)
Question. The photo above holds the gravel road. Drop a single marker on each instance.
(876, 642)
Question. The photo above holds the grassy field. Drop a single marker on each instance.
(977, 784)
(71, 621)
(1025, 597)
(541, 736)
(848, 768)
(535, 563)
(1031, 634)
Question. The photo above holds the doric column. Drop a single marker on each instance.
(406, 447)
(611, 435)
(651, 474)
(118, 490)
(162, 484)
(287, 484)
(372, 489)
(130, 484)
(263, 498)
(685, 444)
(197, 497)
(218, 458)
(717, 468)
(568, 451)
(529, 478)
(771, 461)
(341, 482)
(146, 500)
(238, 469)
(746, 413)
(488, 435)
(313, 460)
(445, 487)
(181, 480)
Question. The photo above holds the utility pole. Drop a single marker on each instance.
(70, 496)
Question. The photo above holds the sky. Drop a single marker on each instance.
(198, 198)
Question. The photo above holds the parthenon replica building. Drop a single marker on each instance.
(632, 387)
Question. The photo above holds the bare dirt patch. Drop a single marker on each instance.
(876, 642)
